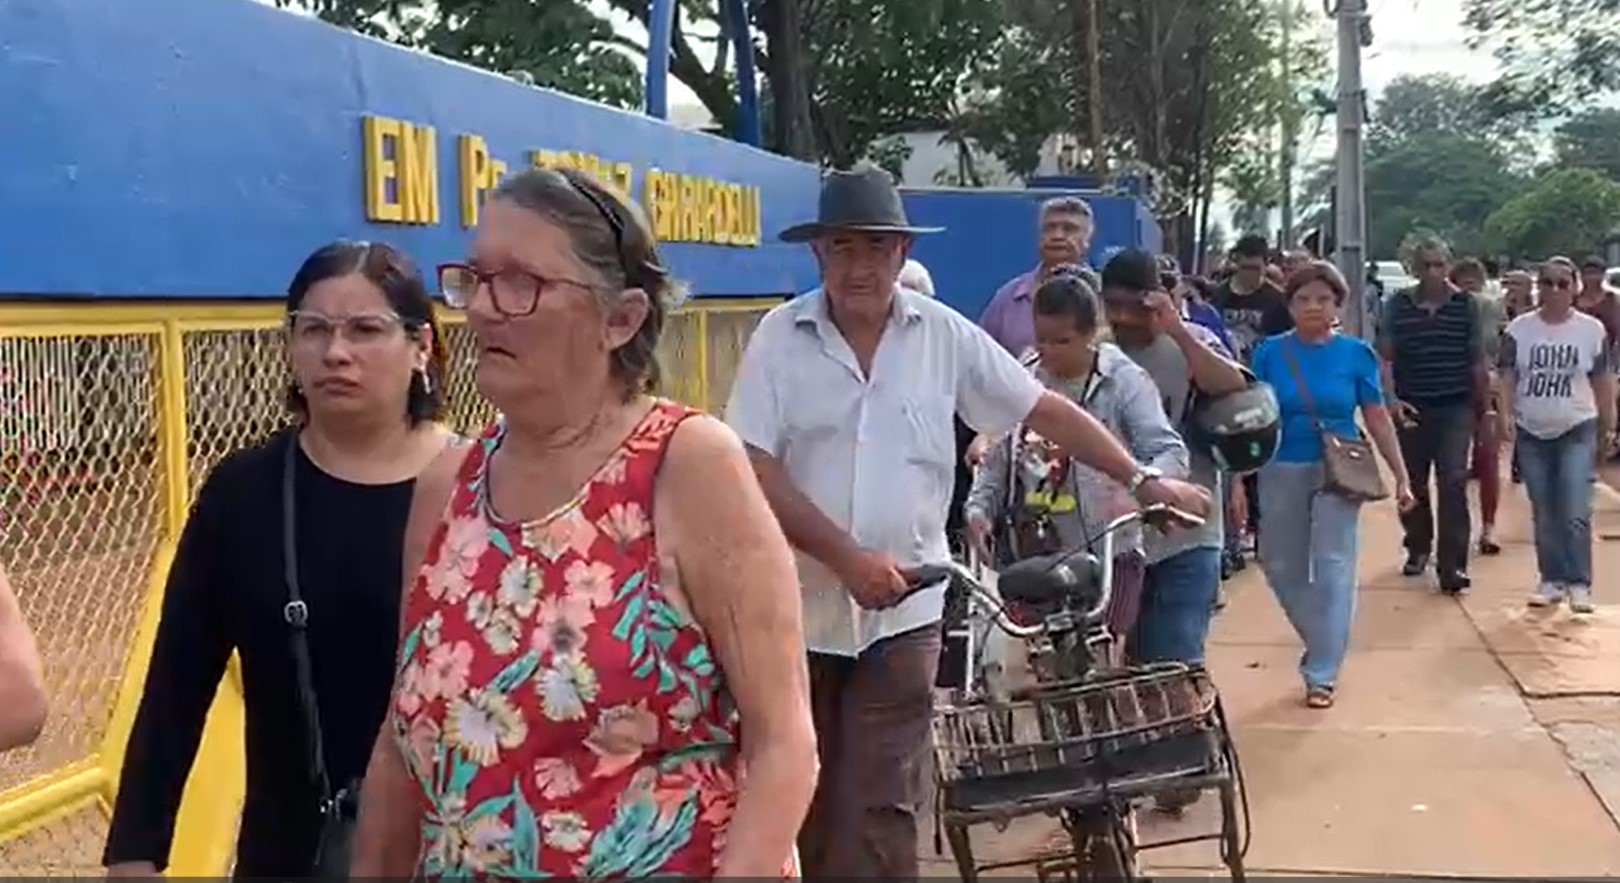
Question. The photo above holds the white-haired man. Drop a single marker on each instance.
(1065, 228)
(915, 277)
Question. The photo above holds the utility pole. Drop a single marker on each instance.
(1350, 216)
(1094, 78)
(1290, 122)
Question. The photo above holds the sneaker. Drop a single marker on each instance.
(1415, 565)
(1580, 599)
(1546, 595)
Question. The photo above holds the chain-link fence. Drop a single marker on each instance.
(113, 418)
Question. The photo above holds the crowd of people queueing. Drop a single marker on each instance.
(637, 640)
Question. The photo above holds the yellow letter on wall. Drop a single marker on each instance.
(474, 158)
(480, 172)
(418, 163)
(381, 168)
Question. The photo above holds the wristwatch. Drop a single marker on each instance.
(1144, 474)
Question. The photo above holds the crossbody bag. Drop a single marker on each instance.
(1349, 468)
(338, 809)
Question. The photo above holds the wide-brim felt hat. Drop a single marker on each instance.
(864, 199)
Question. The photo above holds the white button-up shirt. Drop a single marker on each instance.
(877, 454)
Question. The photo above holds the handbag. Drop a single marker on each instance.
(1349, 468)
(338, 809)
(1019, 532)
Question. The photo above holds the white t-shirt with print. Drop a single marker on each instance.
(1553, 364)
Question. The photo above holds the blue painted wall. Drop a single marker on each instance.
(992, 236)
(201, 148)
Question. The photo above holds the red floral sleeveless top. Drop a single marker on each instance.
(561, 716)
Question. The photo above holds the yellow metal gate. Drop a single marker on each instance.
(113, 416)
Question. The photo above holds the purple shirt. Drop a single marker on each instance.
(1009, 318)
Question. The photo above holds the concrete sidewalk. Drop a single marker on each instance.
(1470, 737)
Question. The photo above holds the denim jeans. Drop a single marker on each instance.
(1308, 549)
(1558, 480)
(1178, 600)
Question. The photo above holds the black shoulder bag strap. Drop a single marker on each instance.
(296, 613)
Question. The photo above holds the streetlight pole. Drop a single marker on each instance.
(1351, 216)
(1289, 122)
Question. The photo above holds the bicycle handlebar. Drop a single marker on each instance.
(1062, 569)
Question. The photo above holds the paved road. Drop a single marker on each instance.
(1471, 737)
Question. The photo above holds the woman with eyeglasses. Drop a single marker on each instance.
(1557, 387)
(367, 387)
(601, 668)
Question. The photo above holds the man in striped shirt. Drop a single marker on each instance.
(1431, 341)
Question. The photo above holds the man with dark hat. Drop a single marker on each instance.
(845, 398)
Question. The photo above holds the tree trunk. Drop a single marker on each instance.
(1203, 177)
(790, 89)
(1203, 224)
(1086, 110)
(1099, 154)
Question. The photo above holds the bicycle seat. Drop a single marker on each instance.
(1071, 578)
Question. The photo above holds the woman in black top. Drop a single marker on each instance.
(368, 367)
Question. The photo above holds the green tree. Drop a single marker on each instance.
(1445, 183)
(560, 44)
(1187, 88)
(1555, 55)
(1255, 187)
(1590, 140)
(878, 68)
(1436, 161)
(1012, 105)
(1428, 105)
(1570, 211)
(1316, 195)
(891, 154)
(840, 74)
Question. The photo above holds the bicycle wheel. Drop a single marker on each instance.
(1234, 797)
(1104, 841)
(1231, 832)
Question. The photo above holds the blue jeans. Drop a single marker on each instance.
(1178, 600)
(1308, 549)
(1558, 480)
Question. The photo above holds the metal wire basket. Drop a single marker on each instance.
(1137, 725)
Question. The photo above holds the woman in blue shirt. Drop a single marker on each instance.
(1308, 543)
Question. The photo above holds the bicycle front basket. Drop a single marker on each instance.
(1145, 722)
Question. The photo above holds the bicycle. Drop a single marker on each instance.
(1089, 736)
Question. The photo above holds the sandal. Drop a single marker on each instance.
(1319, 697)
(1489, 546)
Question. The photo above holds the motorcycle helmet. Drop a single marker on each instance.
(1241, 430)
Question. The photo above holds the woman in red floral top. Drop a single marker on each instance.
(600, 601)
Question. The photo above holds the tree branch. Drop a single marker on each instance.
(623, 42)
(711, 87)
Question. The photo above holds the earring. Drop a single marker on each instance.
(427, 382)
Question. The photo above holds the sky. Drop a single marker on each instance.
(1420, 37)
